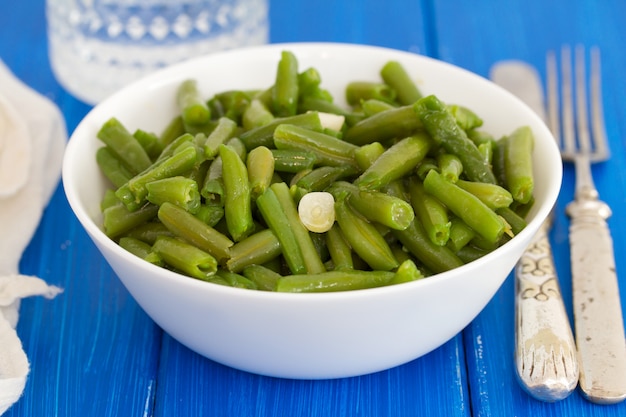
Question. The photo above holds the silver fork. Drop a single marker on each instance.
(598, 320)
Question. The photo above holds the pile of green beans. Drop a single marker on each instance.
(418, 187)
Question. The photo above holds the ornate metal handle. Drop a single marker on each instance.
(597, 310)
(546, 359)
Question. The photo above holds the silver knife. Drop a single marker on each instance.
(545, 352)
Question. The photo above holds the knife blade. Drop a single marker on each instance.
(545, 352)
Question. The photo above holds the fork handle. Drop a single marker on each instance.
(545, 353)
(597, 311)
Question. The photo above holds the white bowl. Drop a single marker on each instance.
(308, 336)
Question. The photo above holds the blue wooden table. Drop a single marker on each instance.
(94, 352)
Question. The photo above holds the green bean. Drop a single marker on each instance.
(432, 214)
(124, 145)
(339, 249)
(377, 206)
(334, 281)
(396, 162)
(210, 214)
(224, 130)
(141, 249)
(148, 232)
(372, 106)
(465, 118)
(233, 104)
(133, 193)
(186, 226)
(518, 166)
(176, 145)
(434, 257)
(443, 128)
(395, 75)
(364, 238)
(407, 272)
(398, 122)
(319, 179)
(236, 280)
(213, 186)
(117, 219)
(356, 91)
(194, 110)
(150, 142)
(280, 214)
(460, 234)
(256, 115)
(426, 165)
(174, 129)
(264, 278)
(366, 155)
(293, 160)
(178, 190)
(492, 195)
(327, 149)
(109, 199)
(264, 135)
(322, 105)
(450, 166)
(466, 206)
(285, 91)
(260, 165)
(309, 82)
(514, 220)
(237, 202)
(112, 167)
(469, 253)
(258, 248)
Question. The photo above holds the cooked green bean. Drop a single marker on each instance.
(357, 91)
(339, 249)
(185, 257)
(492, 195)
(343, 280)
(396, 162)
(141, 249)
(366, 155)
(117, 219)
(256, 115)
(213, 186)
(466, 206)
(148, 232)
(264, 278)
(258, 248)
(186, 226)
(465, 118)
(407, 272)
(443, 128)
(210, 214)
(260, 164)
(398, 122)
(237, 202)
(236, 280)
(124, 145)
(364, 238)
(194, 110)
(293, 160)
(394, 74)
(224, 130)
(327, 149)
(372, 106)
(518, 166)
(319, 179)
(264, 135)
(285, 91)
(432, 214)
(178, 190)
(133, 193)
(112, 167)
(174, 129)
(450, 166)
(460, 234)
(150, 142)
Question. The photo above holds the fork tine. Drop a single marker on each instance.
(567, 108)
(584, 140)
(597, 113)
(553, 96)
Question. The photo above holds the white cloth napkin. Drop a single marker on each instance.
(32, 141)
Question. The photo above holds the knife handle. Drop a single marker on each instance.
(597, 311)
(546, 359)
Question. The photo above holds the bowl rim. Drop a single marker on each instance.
(152, 79)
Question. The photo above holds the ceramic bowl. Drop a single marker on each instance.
(308, 336)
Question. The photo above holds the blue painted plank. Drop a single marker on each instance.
(525, 30)
(190, 384)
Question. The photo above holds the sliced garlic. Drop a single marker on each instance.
(317, 211)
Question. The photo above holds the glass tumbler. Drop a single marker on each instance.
(98, 46)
